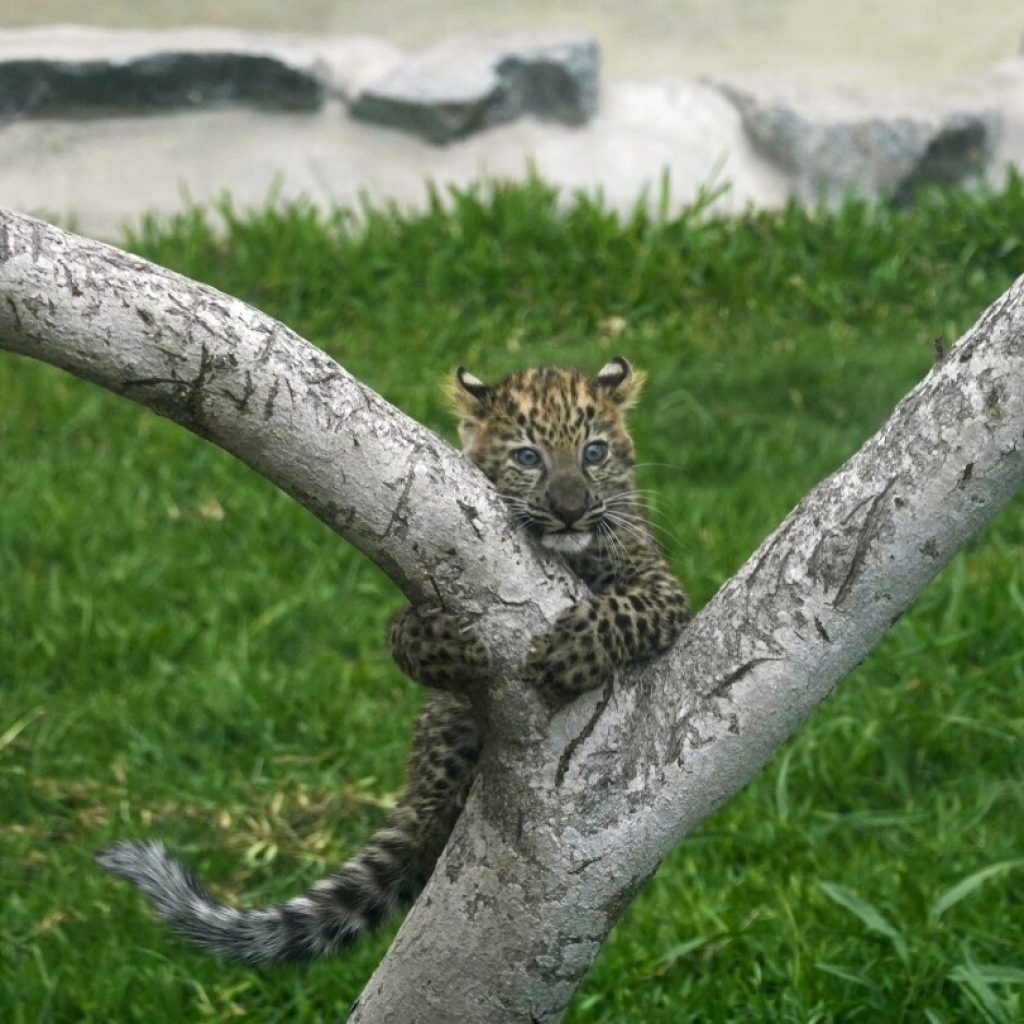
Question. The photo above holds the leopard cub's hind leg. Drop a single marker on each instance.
(435, 648)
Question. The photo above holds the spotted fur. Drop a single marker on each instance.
(575, 494)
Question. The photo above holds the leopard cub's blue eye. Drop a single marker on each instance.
(595, 452)
(526, 456)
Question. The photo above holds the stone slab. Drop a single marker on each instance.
(468, 83)
(833, 139)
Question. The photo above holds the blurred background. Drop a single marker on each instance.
(758, 101)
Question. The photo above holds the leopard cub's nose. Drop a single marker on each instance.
(567, 497)
(569, 514)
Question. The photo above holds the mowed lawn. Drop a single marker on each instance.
(185, 654)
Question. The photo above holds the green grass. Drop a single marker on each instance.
(186, 654)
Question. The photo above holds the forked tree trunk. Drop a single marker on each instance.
(570, 816)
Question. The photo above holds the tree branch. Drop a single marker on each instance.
(569, 817)
(247, 383)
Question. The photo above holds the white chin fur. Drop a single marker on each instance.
(566, 543)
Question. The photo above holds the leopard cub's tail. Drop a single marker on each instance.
(385, 875)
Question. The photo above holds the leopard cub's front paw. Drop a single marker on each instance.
(435, 647)
(568, 660)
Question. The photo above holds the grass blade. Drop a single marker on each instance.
(12, 733)
(976, 988)
(845, 973)
(782, 787)
(870, 916)
(967, 885)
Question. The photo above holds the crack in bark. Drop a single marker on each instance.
(148, 382)
(865, 535)
(69, 283)
(267, 345)
(191, 311)
(578, 869)
(717, 691)
(589, 726)
(327, 377)
(268, 405)
(172, 354)
(13, 306)
(400, 512)
(765, 555)
(721, 688)
(241, 402)
(196, 387)
(186, 396)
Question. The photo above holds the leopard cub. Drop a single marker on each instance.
(555, 444)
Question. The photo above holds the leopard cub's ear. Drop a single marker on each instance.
(468, 395)
(470, 399)
(474, 386)
(619, 381)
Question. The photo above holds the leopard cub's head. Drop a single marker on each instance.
(554, 442)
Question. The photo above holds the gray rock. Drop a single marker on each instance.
(466, 84)
(958, 149)
(555, 82)
(155, 82)
(74, 70)
(840, 140)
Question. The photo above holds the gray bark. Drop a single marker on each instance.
(569, 816)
